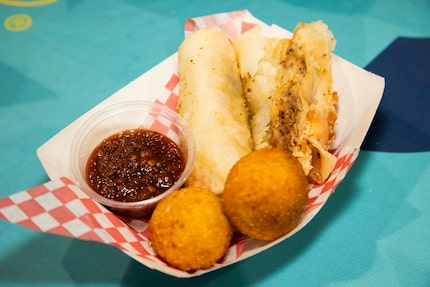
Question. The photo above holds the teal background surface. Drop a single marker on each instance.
(373, 231)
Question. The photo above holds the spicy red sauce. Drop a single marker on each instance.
(134, 165)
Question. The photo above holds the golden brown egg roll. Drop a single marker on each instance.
(288, 87)
(211, 100)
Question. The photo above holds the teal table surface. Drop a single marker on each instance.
(60, 58)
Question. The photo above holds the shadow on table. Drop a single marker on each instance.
(59, 261)
(20, 88)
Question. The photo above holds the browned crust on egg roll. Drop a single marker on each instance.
(288, 86)
(211, 101)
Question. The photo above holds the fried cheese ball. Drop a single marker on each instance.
(265, 193)
(189, 229)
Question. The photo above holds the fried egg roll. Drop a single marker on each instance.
(288, 86)
(211, 100)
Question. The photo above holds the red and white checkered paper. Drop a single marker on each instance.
(61, 207)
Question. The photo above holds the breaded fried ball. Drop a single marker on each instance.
(265, 193)
(189, 229)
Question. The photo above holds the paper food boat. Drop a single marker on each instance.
(60, 207)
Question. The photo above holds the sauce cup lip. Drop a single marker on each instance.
(145, 106)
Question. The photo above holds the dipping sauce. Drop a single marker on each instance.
(134, 165)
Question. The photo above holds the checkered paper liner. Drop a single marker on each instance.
(61, 207)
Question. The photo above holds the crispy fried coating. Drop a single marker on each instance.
(309, 82)
(265, 193)
(189, 230)
(288, 87)
(261, 64)
(211, 101)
